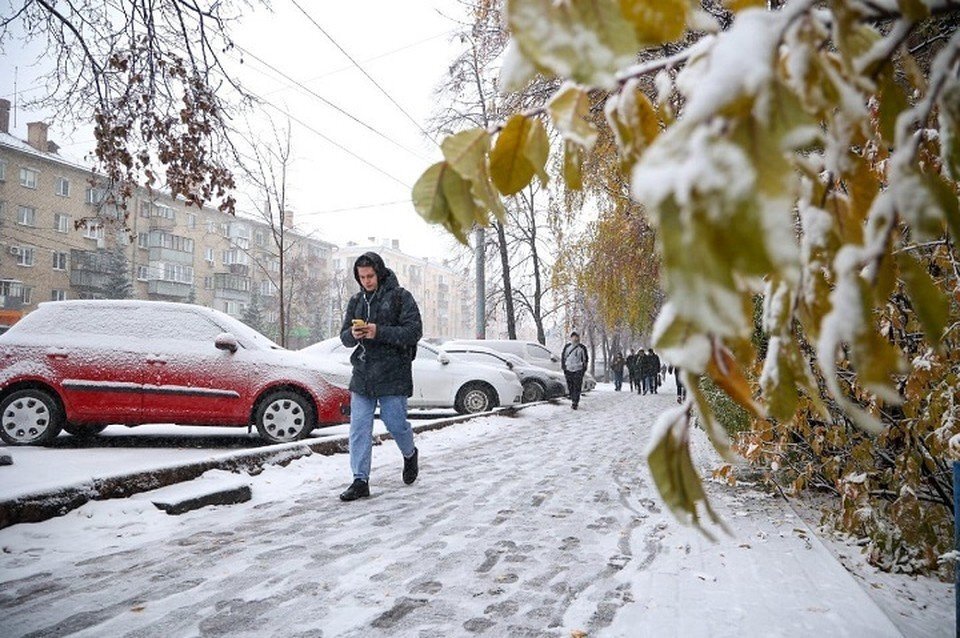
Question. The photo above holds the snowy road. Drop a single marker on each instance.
(542, 524)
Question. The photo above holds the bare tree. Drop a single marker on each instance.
(150, 75)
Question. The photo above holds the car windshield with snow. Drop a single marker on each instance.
(82, 365)
(441, 381)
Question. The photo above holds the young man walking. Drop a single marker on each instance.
(383, 322)
(573, 360)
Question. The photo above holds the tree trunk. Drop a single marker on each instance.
(507, 285)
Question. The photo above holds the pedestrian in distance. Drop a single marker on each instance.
(681, 389)
(653, 362)
(382, 323)
(631, 363)
(617, 367)
(643, 371)
(573, 360)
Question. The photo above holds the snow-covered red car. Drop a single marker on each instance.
(82, 365)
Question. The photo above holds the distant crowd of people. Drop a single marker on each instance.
(644, 372)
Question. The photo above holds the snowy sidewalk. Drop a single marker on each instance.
(542, 524)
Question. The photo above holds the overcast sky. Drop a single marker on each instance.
(341, 194)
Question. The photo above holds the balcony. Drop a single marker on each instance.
(89, 270)
(161, 223)
(168, 288)
(158, 253)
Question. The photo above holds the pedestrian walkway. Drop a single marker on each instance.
(542, 524)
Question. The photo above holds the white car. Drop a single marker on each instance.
(530, 351)
(441, 381)
(538, 383)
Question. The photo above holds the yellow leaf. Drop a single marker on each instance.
(537, 149)
(933, 308)
(572, 165)
(893, 102)
(674, 474)
(736, 6)
(569, 110)
(725, 372)
(430, 199)
(656, 23)
(466, 152)
(509, 166)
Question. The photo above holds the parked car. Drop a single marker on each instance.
(530, 351)
(81, 365)
(538, 383)
(441, 381)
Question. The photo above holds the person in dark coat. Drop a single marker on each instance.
(617, 367)
(383, 323)
(631, 363)
(653, 361)
(643, 371)
(573, 361)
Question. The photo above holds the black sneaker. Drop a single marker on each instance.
(358, 489)
(411, 467)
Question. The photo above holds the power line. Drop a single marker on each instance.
(353, 208)
(362, 70)
(328, 102)
(334, 143)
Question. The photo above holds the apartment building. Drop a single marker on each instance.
(167, 250)
(443, 293)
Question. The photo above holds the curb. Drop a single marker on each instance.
(41, 506)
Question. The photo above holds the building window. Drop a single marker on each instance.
(28, 177)
(143, 240)
(258, 238)
(58, 295)
(191, 220)
(62, 187)
(177, 273)
(3, 170)
(26, 216)
(95, 196)
(27, 295)
(92, 232)
(24, 255)
(143, 272)
(61, 222)
(211, 226)
(59, 261)
(208, 254)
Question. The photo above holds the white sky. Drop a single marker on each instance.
(405, 47)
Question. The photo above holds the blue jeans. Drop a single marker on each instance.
(393, 413)
(617, 380)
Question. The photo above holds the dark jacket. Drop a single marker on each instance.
(383, 366)
(617, 364)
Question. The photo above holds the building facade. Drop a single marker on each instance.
(60, 240)
(442, 292)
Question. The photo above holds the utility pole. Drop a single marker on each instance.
(479, 255)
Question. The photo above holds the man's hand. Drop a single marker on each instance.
(366, 331)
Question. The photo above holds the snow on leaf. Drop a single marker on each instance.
(585, 40)
(569, 110)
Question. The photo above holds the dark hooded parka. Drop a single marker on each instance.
(382, 366)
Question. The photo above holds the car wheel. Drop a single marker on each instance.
(30, 417)
(474, 398)
(533, 391)
(284, 416)
(83, 431)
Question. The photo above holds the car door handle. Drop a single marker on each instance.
(57, 354)
(159, 362)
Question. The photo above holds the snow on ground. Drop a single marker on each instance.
(541, 524)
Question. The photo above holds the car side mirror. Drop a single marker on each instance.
(443, 359)
(226, 341)
(510, 364)
(554, 358)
